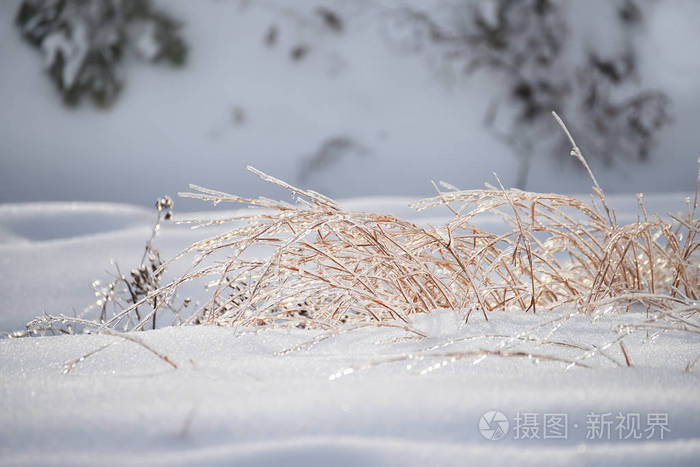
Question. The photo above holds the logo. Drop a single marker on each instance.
(493, 425)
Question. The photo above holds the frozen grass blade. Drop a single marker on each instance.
(313, 264)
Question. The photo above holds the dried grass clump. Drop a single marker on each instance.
(328, 265)
(314, 264)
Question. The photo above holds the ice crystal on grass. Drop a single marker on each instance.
(314, 265)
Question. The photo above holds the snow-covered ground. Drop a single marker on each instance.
(235, 400)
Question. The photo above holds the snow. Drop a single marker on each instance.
(146, 43)
(237, 398)
(171, 127)
(72, 52)
(76, 194)
(233, 401)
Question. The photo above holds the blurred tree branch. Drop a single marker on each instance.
(528, 45)
(84, 42)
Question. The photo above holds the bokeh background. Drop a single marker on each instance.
(352, 98)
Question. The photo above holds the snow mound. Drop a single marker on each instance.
(40, 222)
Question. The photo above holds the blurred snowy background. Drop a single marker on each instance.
(352, 98)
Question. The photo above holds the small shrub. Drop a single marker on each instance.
(84, 42)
